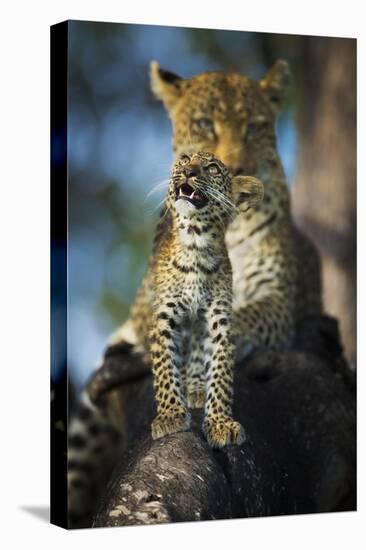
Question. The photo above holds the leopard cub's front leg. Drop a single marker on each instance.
(219, 427)
(196, 383)
(173, 415)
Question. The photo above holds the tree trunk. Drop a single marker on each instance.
(298, 410)
(324, 195)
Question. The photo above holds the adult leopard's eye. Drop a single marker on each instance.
(205, 124)
(213, 169)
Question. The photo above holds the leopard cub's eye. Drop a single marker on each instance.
(204, 124)
(213, 169)
(184, 159)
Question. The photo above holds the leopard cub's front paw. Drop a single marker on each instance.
(170, 423)
(196, 398)
(220, 432)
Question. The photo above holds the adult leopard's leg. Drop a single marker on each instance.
(93, 444)
(266, 322)
(97, 431)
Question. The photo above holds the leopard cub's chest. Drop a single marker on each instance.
(199, 288)
(196, 289)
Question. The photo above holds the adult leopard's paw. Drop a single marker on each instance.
(170, 423)
(222, 432)
(196, 398)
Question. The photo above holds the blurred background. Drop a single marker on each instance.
(119, 147)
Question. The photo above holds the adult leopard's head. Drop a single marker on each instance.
(226, 114)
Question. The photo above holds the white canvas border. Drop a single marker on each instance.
(25, 268)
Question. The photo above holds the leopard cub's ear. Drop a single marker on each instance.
(247, 191)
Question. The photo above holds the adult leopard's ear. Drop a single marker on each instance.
(165, 85)
(247, 191)
(275, 84)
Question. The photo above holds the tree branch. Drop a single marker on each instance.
(298, 410)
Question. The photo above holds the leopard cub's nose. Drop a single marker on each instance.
(191, 171)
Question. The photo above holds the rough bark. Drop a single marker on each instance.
(324, 194)
(298, 410)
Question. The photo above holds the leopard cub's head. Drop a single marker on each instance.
(202, 188)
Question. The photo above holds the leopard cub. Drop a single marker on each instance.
(190, 281)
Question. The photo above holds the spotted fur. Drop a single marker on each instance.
(276, 274)
(93, 439)
(189, 283)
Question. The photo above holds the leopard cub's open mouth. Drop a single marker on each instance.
(187, 193)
